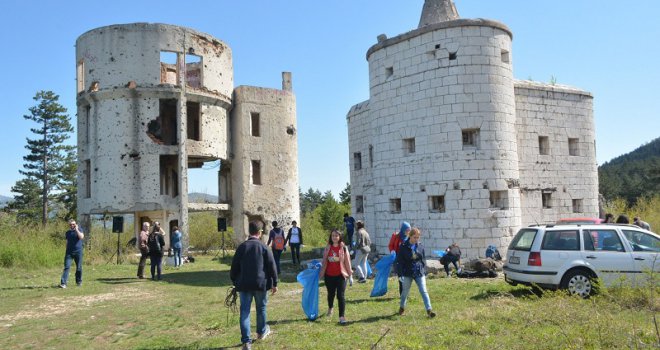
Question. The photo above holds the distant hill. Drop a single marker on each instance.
(4, 200)
(632, 175)
(197, 197)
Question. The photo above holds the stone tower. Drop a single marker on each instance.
(441, 140)
(156, 100)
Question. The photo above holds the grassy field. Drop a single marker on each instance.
(114, 310)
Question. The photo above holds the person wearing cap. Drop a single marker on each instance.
(295, 239)
(253, 273)
(276, 241)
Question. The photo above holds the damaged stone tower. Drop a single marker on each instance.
(452, 143)
(155, 100)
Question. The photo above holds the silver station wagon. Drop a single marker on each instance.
(572, 256)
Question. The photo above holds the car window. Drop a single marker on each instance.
(588, 240)
(561, 240)
(642, 241)
(606, 240)
(523, 240)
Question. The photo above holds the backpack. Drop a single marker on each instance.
(154, 244)
(278, 240)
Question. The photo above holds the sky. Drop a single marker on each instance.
(608, 47)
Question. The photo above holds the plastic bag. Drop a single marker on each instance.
(439, 253)
(369, 270)
(383, 266)
(309, 278)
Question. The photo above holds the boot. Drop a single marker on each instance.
(430, 313)
(401, 311)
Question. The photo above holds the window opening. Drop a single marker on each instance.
(506, 56)
(371, 156)
(193, 121)
(409, 146)
(573, 147)
(544, 145)
(546, 200)
(499, 200)
(87, 173)
(168, 71)
(169, 175)
(577, 206)
(163, 129)
(194, 71)
(389, 71)
(80, 75)
(254, 124)
(452, 56)
(470, 138)
(437, 204)
(395, 205)
(87, 120)
(256, 172)
(357, 161)
(359, 204)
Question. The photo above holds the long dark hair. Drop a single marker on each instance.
(341, 239)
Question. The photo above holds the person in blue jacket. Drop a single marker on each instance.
(411, 265)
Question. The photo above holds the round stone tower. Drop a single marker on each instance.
(153, 101)
(439, 132)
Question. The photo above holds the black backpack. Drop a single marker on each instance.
(153, 243)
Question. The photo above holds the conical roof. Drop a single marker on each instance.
(437, 11)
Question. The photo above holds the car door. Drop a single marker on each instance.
(606, 253)
(646, 254)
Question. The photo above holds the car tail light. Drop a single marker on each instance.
(534, 259)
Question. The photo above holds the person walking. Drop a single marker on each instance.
(276, 241)
(395, 244)
(144, 250)
(176, 246)
(295, 239)
(362, 250)
(156, 242)
(411, 263)
(349, 223)
(253, 273)
(335, 270)
(74, 251)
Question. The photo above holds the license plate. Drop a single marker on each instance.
(514, 260)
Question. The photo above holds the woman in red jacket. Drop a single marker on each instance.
(335, 269)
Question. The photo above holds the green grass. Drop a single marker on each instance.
(114, 310)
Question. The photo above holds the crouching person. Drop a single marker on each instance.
(411, 263)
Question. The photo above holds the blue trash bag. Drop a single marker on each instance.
(439, 253)
(383, 266)
(309, 278)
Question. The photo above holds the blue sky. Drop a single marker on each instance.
(608, 47)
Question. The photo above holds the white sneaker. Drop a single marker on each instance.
(63, 286)
(265, 334)
(350, 281)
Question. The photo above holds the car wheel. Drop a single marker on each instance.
(578, 282)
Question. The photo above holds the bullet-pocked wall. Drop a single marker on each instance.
(445, 139)
(153, 99)
(265, 157)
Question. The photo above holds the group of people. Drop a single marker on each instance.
(152, 245)
(623, 219)
(255, 269)
(277, 240)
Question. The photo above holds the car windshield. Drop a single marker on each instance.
(523, 240)
(642, 241)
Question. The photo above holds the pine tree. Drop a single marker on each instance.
(28, 201)
(68, 194)
(47, 153)
(345, 195)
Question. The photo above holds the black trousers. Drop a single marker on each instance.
(336, 285)
(295, 252)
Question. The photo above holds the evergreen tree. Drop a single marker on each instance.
(28, 201)
(310, 200)
(47, 153)
(68, 196)
(345, 195)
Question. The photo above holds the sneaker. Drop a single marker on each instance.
(350, 281)
(329, 312)
(459, 270)
(430, 313)
(63, 286)
(402, 311)
(247, 346)
(342, 321)
(362, 280)
(265, 334)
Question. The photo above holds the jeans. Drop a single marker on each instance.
(260, 301)
(156, 264)
(361, 263)
(295, 252)
(336, 285)
(277, 254)
(141, 264)
(177, 257)
(77, 257)
(421, 285)
(451, 259)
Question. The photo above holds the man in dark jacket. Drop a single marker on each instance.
(253, 273)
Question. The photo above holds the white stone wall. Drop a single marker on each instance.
(416, 91)
(276, 198)
(558, 113)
